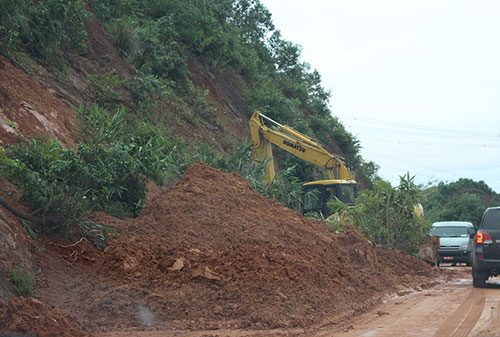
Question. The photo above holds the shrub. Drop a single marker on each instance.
(55, 28)
(386, 214)
(22, 282)
(123, 32)
(61, 185)
(105, 89)
(13, 19)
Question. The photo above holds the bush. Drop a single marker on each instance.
(386, 214)
(61, 185)
(22, 282)
(13, 20)
(46, 29)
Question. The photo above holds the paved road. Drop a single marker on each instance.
(450, 309)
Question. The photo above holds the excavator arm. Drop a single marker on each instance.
(294, 142)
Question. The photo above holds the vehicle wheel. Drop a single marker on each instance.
(468, 263)
(479, 280)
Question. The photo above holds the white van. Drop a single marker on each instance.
(454, 241)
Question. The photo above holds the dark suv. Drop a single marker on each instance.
(486, 247)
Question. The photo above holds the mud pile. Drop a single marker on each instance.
(210, 252)
(35, 318)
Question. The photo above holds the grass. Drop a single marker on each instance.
(22, 281)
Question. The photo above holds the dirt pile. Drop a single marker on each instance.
(35, 318)
(211, 253)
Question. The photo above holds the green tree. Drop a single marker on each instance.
(462, 200)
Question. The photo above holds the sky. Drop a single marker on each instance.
(417, 82)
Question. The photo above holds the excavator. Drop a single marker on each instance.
(265, 132)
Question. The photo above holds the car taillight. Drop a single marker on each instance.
(482, 237)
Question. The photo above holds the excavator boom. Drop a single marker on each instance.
(294, 142)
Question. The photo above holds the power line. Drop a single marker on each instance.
(425, 128)
(424, 143)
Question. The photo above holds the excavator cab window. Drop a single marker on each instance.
(330, 193)
(312, 199)
(316, 197)
(347, 193)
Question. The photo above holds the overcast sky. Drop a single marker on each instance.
(417, 82)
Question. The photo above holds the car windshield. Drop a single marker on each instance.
(449, 232)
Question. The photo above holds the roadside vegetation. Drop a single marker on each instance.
(386, 214)
(122, 149)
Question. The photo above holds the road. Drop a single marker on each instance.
(453, 308)
(450, 309)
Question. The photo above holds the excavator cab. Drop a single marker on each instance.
(317, 194)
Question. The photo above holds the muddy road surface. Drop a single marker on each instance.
(452, 308)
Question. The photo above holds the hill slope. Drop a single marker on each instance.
(198, 70)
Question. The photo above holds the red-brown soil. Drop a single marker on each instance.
(16, 247)
(211, 253)
(30, 316)
(30, 110)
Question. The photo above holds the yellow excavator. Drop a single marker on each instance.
(340, 184)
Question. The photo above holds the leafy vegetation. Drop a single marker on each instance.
(462, 200)
(22, 281)
(387, 214)
(162, 39)
(48, 30)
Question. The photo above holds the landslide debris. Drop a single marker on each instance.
(35, 318)
(210, 252)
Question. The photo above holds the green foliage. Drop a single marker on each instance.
(124, 34)
(148, 91)
(160, 36)
(104, 172)
(45, 29)
(13, 20)
(22, 282)
(341, 216)
(462, 200)
(105, 89)
(386, 214)
(98, 127)
(285, 188)
(162, 39)
(62, 185)
(100, 234)
(159, 157)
